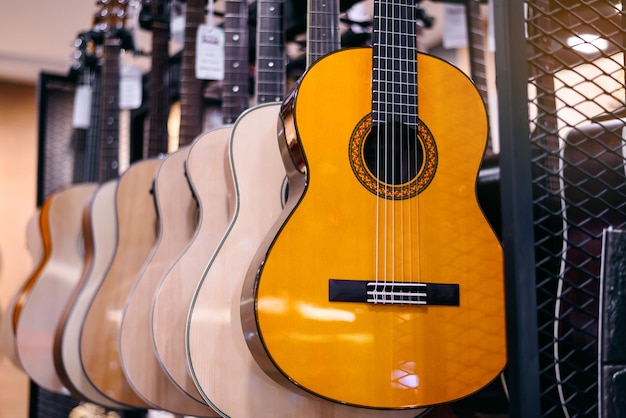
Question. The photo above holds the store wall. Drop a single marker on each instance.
(18, 182)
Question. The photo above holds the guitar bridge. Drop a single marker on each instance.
(393, 293)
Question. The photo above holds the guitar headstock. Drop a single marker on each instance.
(110, 17)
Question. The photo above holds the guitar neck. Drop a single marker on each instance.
(157, 141)
(92, 141)
(191, 87)
(476, 38)
(322, 33)
(236, 78)
(270, 53)
(109, 110)
(394, 74)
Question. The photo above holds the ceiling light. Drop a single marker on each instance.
(587, 43)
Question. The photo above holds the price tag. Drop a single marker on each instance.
(177, 29)
(210, 53)
(454, 26)
(81, 114)
(130, 87)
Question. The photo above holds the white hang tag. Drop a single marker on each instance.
(177, 29)
(210, 53)
(130, 87)
(454, 26)
(81, 114)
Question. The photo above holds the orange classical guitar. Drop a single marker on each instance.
(382, 269)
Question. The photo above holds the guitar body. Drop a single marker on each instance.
(176, 208)
(209, 179)
(49, 295)
(402, 355)
(35, 245)
(253, 150)
(99, 230)
(136, 234)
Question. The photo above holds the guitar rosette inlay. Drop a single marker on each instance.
(396, 162)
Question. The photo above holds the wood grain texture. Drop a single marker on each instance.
(177, 214)
(100, 234)
(402, 356)
(136, 235)
(208, 174)
(57, 279)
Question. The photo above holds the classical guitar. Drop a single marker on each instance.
(177, 214)
(176, 221)
(211, 363)
(210, 181)
(35, 245)
(57, 275)
(81, 70)
(382, 269)
(134, 225)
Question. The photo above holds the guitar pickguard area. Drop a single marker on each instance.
(394, 160)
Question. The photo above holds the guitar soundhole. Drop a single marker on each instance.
(393, 160)
(392, 153)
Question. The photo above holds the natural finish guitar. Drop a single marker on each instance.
(46, 300)
(177, 212)
(136, 229)
(98, 218)
(210, 180)
(382, 269)
(35, 245)
(176, 218)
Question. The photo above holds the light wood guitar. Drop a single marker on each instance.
(176, 217)
(35, 245)
(210, 180)
(382, 269)
(98, 220)
(48, 293)
(177, 214)
(135, 229)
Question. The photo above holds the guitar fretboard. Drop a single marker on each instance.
(270, 60)
(236, 82)
(109, 108)
(394, 74)
(190, 86)
(322, 29)
(156, 142)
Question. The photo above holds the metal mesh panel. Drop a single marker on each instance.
(576, 110)
(56, 103)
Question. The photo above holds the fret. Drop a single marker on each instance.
(270, 53)
(191, 105)
(235, 86)
(394, 72)
(109, 108)
(322, 29)
(157, 141)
